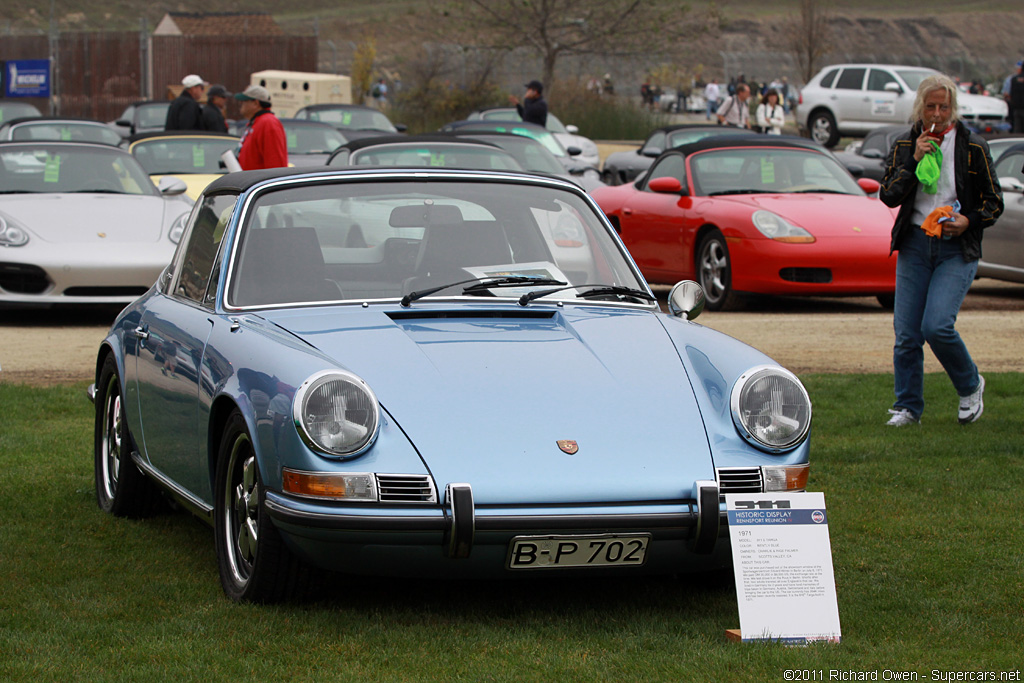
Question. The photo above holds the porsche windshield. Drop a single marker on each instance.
(754, 170)
(70, 168)
(377, 240)
(436, 155)
(182, 156)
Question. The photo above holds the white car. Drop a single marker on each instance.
(851, 99)
(568, 135)
(81, 223)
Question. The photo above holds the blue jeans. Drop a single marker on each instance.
(712, 108)
(932, 280)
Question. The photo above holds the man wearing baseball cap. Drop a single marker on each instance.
(263, 142)
(184, 112)
(215, 108)
(533, 108)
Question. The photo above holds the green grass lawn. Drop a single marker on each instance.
(926, 537)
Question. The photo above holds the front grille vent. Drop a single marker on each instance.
(22, 278)
(739, 480)
(105, 291)
(406, 488)
(820, 276)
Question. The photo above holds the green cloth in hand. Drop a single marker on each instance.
(928, 170)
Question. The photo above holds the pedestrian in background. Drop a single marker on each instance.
(711, 94)
(939, 174)
(771, 117)
(215, 109)
(735, 111)
(1016, 100)
(184, 112)
(533, 108)
(263, 142)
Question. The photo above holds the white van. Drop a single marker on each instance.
(293, 90)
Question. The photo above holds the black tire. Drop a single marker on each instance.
(823, 130)
(887, 301)
(121, 488)
(714, 272)
(255, 564)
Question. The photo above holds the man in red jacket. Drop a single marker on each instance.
(263, 142)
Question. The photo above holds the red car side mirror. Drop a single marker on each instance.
(665, 184)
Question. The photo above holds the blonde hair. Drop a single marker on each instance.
(929, 85)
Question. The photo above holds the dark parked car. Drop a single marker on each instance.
(353, 120)
(310, 143)
(142, 117)
(428, 151)
(624, 167)
(867, 158)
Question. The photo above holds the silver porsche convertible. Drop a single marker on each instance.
(83, 224)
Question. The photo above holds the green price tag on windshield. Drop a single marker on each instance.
(51, 171)
(293, 140)
(346, 118)
(436, 159)
(198, 156)
(65, 134)
(767, 171)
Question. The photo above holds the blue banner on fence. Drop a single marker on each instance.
(27, 78)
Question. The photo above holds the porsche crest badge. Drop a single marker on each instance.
(568, 447)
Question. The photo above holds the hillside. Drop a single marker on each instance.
(977, 40)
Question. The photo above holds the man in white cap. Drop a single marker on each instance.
(264, 144)
(184, 112)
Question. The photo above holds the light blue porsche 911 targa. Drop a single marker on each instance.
(431, 373)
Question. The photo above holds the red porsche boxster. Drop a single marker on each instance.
(756, 214)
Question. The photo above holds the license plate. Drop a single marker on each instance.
(599, 550)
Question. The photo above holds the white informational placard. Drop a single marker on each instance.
(782, 560)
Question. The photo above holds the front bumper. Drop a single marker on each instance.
(459, 538)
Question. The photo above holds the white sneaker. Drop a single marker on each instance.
(972, 406)
(902, 418)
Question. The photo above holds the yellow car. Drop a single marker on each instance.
(192, 156)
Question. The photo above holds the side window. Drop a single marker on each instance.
(851, 79)
(199, 257)
(829, 78)
(878, 78)
(672, 166)
(875, 143)
(1010, 167)
(656, 142)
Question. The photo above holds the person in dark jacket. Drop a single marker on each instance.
(213, 111)
(184, 112)
(533, 108)
(940, 176)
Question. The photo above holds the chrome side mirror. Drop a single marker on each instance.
(686, 300)
(170, 186)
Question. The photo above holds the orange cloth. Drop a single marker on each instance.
(931, 225)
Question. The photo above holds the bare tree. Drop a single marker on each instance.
(557, 28)
(810, 37)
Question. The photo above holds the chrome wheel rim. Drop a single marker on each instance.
(241, 505)
(714, 270)
(821, 130)
(110, 441)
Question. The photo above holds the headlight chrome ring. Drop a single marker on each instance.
(336, 413)
(771, 408)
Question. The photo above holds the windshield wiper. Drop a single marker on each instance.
(97, 192)
(482, 283)
(819, 190)
(598, 290)
(747, 191)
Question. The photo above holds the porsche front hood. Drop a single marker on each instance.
(486, 395)
(98, 218)
(828, 215)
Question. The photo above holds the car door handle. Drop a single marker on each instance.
(141, 333)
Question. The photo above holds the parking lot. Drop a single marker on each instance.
(58, 346)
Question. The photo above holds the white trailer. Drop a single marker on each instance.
(293, 90)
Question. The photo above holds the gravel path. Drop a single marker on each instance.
(806, 335)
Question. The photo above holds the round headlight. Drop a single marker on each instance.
(775, 227)
(12, 236)
(771, 408)
(336, 413)
(177, 228)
